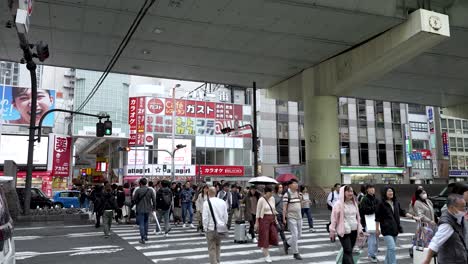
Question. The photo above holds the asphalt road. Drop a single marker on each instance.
(50, 243)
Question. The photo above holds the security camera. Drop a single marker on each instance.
(42, 51)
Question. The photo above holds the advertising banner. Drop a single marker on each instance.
(61, 156)
(445, 144)
(219, 170)
(193, 117)
(182, 156)
(137, 156)
(16, 148)
(150, 170)
(132, 120)
(16, 106)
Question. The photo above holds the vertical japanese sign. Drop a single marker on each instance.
(408, 145)
(61, 156)
(132, 120)
(140, 121)
(445, 144)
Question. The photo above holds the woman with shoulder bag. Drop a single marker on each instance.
(266, 223)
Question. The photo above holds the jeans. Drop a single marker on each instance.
(187, 206)
(307, 212)
(372, 245)
(142, 220)
(390, 257)
(347, 242)
(295, 227)
(107, 221)
(164, 216)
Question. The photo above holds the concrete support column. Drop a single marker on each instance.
(322, 140)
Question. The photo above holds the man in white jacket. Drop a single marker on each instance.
(220, 215)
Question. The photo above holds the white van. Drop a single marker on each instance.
(7, 244)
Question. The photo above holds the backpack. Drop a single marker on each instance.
(164, 199)
(333, 198)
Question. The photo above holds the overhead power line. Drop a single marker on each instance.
(136, 22)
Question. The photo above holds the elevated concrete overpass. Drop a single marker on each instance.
(314, 49)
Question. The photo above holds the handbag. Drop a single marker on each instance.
(222, 231)
(278, 227)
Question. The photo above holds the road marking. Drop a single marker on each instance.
(106, 249)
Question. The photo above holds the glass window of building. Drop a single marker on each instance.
(283, 130)
(248, 96)
(364, 154)
(420, 144)
(419, 126)
(247, 157)
(361, 110)
(458, 126)
(396, 115)
(381, 155)
(465, 127)
(281, 106)
(210, 156)
(220, 157)
(343, 106)
(460, 144)
(399, 155)
(443, 124)
(453, 144)
(345, 154)
(461, 162)
(451, 125)
(466, 145)
(416, 109)
(344, 123)
(397, 133)
(201, 154)
(283, 151)
(302, 151)
(453, 162)
(379, 114)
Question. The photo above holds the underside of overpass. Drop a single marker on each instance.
(318, 48)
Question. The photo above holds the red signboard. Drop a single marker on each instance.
(155, 106)
(219, 170)
(426, 153)
(61, 156)
(132, 120)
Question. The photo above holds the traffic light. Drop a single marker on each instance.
(99, 129)
(226, 130)
(108, 128)
(120, 148)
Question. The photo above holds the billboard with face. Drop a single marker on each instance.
(16, 105)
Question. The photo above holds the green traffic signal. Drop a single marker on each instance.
(108, 128)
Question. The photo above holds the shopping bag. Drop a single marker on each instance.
(370, 223)
(423, 235)
(419, 255)
(356, 256)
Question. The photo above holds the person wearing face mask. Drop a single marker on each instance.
(449, 240)
(423, 208)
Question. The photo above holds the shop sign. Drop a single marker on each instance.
(445, 144)
(150, 170)
(220, 170)
(458, 173)
(370, 170)
(61, 156)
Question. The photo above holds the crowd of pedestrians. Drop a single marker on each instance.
(273, 209)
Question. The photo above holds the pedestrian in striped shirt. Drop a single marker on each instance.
(292, 215)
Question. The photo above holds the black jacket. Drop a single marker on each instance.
(389, 219)
(367, 206)
(108, 202)
(120, 198)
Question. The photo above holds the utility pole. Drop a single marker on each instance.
(254, 130)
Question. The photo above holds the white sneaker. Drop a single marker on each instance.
(192, 226)
(183, 226)
(254, 240)
(312, 230)
(268, 259)
(166, 235)
(155, 233)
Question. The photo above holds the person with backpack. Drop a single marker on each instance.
(145, 202)
(235, 205)
(202, 197)
(186, 196)
(96, 197)
(108, 206)
(332, 198)
(164, 202)
(292, 215)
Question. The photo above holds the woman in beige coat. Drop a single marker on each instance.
(250, 201)
(423, 208)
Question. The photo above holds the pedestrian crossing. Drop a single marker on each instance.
(185, 245)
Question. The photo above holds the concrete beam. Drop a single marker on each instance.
(352, 69)
(459, 111)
